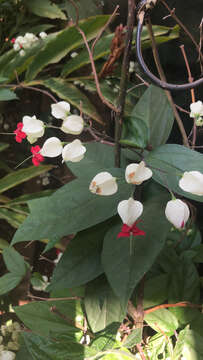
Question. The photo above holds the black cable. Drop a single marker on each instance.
(142, 13)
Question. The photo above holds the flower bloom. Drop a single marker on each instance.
(196, 109)
(137, 173)
(42, 34)
(103, 184)
(127, 231)
(33, 127)
(73, 151)
(192, 181)
(177, 212)
(7, 355)
(60, 110)
(37, 157)
(73, 124)
(20, 135)
(130, 210)
(52, 147)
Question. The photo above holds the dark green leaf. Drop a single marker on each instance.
(8, 282)
(14, 262)
(3, 244)
(45, 9)
(85, 8)
(22, 175)
(81, 262)
(151, 120)
(3, 146)
(155, 290)
(134, 338)
(170, 161)
(27, 197)
(162, 321)
(102, 306)
(15, 219)
(6, 95)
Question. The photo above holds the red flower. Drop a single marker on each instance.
(37, 157)
(13, 41)
(20, 135)
(126, 231)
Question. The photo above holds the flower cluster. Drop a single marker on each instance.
(33, 128)
(22, 43)
(177, 211)
(9, 340)
(196, 112)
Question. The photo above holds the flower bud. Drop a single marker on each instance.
(177, 212)
(33, 127)
(196, 109)
(73, 151)
(7, 355)
(192, 181)
(130, 210)
(103, 184)
(137, 173)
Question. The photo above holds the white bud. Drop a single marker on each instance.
(73, 151)
(192, 181)
(73, 124)
(137, 173)
(130, 210)
(177, 212)
(103, 184)
(52, 147)
(60, 110)
(33, 128)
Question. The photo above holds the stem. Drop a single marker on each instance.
(190, 79)
(180, 304)
(163, 78)
(123, 82)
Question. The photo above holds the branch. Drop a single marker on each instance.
(180, 304)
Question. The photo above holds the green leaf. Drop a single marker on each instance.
(46, 319)
(70, 209)
(3, 146)
(6, 95)
(3, 244)
(15, 219)
(14, 262)
(85, 8)
(184, 286)
(22, 175)
(27, 197)
(169, 162)
(80, 262)
(45, 9)
(105, 339)
(66, 41)
(155, 290)
(134, 338)
(189, 345)
(133, 260)
(162, 321)
(73, 95)
(8, 282)
(151, 120)
(102, 306)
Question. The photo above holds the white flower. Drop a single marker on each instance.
(74, 151)
(177, 212)
(130, 210)
(33, 128)
(43, 35)
(52, 147)
(103, 184)
(16, 46)
(131, 67)
(7, 355)
(196, 109)
(137, 173)
(73, 124)
(192, 181)
(60, 110)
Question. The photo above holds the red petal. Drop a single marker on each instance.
(35, 161)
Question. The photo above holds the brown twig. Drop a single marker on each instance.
(190, 79)
(179, 22)
(139, 348)
(165, 306)
(123, 82)
(54, 299)
(104, 28)
(162, 76)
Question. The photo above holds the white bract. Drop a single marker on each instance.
(22, 53)
(74, 151)
(192, 181)
(73, 124)
(196, 109)
(103, 184)
(7, 355)
(130, 210)
(137, 173)
(33, 128)
(177, 212)
(60, 110)
(52, 147)
(43, 35)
